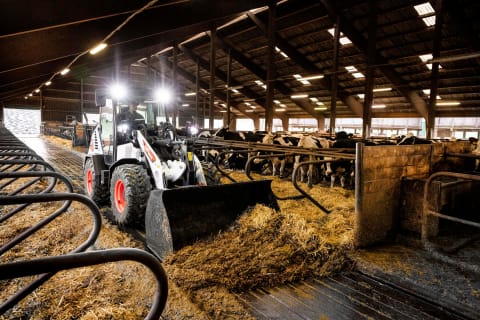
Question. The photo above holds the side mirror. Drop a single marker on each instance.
(101, 96)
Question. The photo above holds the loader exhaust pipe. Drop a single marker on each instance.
(178, 217)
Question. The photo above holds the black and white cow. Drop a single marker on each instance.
(343, 169)
(279, 162)
(310, 142)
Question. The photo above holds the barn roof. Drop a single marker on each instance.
(38, 40)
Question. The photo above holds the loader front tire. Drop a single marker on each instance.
(129, 190)
(93, 189)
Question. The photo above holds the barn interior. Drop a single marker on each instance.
(371, 68)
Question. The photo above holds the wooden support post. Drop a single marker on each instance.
(334, 78)
(437, 39)
(270, 66)
(370, 74)
(213, 31)
(229, 71)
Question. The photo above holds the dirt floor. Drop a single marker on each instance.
(264, 248)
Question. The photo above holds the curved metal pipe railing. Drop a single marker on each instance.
(295, 184)
(17, 161)
(428, 211)
(67, 197)
(262, 156)
(17, 175)
(21, 164)
(51, 265)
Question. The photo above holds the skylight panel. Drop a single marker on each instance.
(424, 9)
(429, 21)
(358, 75)
(428, 57)
(343, 40)
(351, 68)
(261, 84)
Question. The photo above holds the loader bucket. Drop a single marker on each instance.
(177, 217)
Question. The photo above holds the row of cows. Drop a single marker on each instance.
(333, 170)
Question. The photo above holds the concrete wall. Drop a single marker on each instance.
(379, 173)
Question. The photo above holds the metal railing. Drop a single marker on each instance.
(22, 169)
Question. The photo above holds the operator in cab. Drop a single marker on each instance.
(131, 113)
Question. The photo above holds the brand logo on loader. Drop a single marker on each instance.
(150, 153)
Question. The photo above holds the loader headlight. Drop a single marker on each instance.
(118, 91)
(193, 131)
(123, 128)
(162, 95)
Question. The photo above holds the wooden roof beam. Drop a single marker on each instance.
(262, 74)
(203, 85)
(308, 66)
(362, 44)
(221, 75)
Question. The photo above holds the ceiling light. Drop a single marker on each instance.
(26, 97)
(382, 89)
(37, 90)
(249, 110)
(379, 106)
(361, 95)
(223, 111)
(276, 101)
(64, 71)
(189, 94)
(314, 77)
(279, 110)
(30, 94)
(185, 105)
(253, 107)
(320, 108)
(448, 103)
(319, 103)
(313, 99)
(248, 103)
(299, 96)
(283, 105)
(48, 83)
(98, 48)
(235, 91)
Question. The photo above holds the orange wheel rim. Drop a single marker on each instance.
(89, 181)
(119, 193)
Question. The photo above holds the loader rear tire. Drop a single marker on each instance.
(93, 189)
(129, 190)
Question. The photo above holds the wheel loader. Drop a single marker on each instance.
(151, 176)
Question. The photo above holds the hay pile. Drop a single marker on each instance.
(264, 248)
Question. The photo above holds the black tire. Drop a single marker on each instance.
(129, 190)
(93, 189)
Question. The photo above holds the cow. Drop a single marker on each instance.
(411, 139)
(309, 142)
(343, 168)
(476, 152)
(280, 162)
